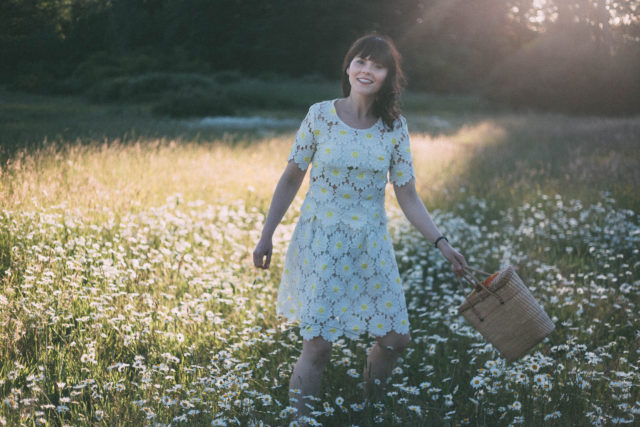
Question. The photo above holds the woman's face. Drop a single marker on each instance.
(366, 76)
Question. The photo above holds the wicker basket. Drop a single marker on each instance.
(505, 312)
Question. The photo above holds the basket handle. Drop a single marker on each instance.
(468, 267)
(467, 275)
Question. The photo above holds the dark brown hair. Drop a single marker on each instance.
(380, 49)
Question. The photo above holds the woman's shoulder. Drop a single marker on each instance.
(399, 123)
(322, 105)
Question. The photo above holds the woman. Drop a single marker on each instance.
(340, 276)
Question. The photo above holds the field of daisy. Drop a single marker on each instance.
(128, 295)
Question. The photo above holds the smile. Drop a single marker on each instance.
(365, 81)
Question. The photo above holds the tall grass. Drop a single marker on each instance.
(127, 292)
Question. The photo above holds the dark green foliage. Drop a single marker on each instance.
(148, 86)
(188, 103)
(490, 47)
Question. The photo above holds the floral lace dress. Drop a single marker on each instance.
(340, 275)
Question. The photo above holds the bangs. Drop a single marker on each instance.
(375, 49)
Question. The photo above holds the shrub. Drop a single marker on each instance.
(147, 87)
(195, 103)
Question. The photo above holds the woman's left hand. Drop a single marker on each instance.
(453, 256)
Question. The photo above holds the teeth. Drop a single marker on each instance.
(367, 81)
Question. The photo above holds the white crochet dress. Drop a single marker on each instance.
(340, 276)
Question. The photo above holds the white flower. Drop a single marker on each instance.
(415, 408)
(553, 415)
(477, 381)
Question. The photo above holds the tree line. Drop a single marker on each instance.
(572, 55)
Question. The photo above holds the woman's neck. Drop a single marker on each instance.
(359, 107)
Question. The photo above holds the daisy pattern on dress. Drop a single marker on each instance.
(320, 311)
(332, 330)
(376, 286)
(364, 306)
(341, 258)
(379, 325)
(324, 269)
(354, 326)
(310, 330)
(388, 305)
(401, 323)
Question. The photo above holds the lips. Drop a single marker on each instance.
(364, 81)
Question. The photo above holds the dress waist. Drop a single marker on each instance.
(355, 214)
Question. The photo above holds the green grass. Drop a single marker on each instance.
(127, 292)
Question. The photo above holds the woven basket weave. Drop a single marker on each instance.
(506, 314)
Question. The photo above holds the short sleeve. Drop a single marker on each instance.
(401, 165)
(304, 146)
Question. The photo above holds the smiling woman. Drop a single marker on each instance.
(340, 274)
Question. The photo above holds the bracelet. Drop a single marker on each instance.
(438, 239)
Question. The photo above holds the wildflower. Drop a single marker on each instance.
(540, 379)
(448, 400)
(553, 415)
(516, 405)
(339, 401)
(477, 382)
(353, 373)
(416, 409)
(357, 407)
(266, 399)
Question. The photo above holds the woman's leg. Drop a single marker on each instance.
(380, 362)
(308, 371)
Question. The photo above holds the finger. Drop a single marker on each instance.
(457, 265)
(463, 261)
(258, 260)
(268, 262)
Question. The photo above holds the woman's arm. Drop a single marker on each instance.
(285, 191)
(419, 217)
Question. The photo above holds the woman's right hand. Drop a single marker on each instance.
(263, 249)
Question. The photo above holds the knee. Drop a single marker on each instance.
(397, 342)
(317, 350)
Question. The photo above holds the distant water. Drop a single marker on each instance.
(255, 122)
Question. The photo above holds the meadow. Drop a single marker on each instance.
(128, 293)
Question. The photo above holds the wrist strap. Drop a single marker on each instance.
(438, 240)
